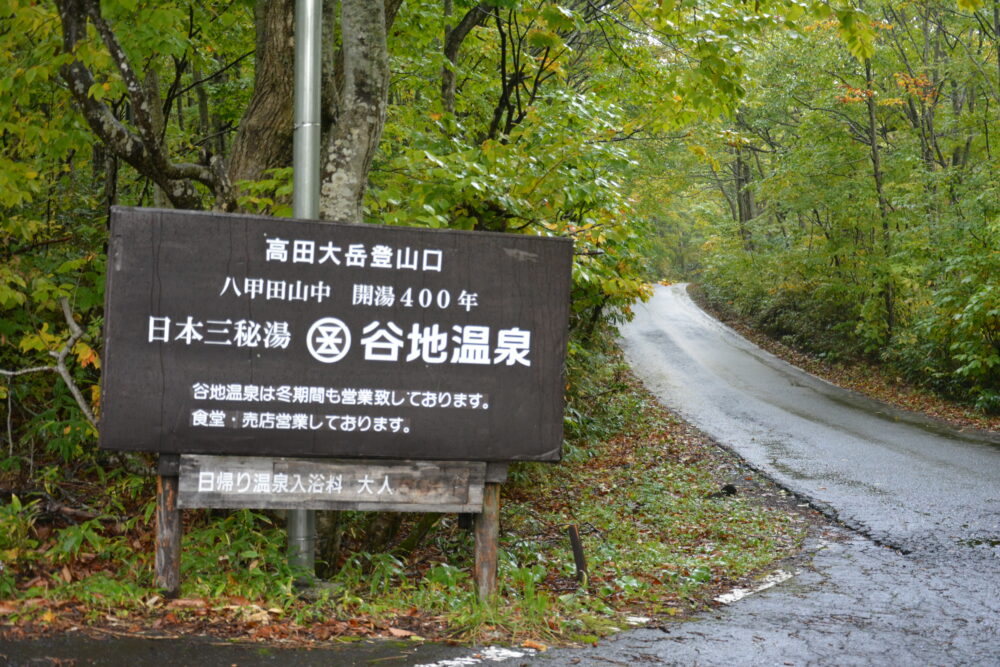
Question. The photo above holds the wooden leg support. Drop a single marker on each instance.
(487, 530)
(168, 530)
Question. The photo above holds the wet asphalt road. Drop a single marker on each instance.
(904, 480)
(915, 580)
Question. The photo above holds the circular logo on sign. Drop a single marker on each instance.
(328, 340)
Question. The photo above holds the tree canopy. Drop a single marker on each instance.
(860, 192)
(830, 151)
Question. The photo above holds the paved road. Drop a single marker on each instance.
(917, 580)
(905, 480)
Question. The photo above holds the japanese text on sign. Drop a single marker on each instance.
(228, 481)
(254, 393)
(355, 254)
(329, 339)
(245, 335)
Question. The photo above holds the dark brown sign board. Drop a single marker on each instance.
(235, 482)
(248, 335)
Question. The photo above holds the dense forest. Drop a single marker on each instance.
(850, 203)
(523, 117)
(826, 168)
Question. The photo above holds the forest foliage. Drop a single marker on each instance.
(860, 192)
(523, 117)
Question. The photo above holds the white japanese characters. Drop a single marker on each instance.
(362, 294)
(302, 395)
(316, 484)
(301, 251)
(239, 333)
(431, 344)
(285, 421)
(275, 290)
(329, 339)
(384, 296)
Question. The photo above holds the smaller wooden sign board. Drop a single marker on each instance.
(249, 482)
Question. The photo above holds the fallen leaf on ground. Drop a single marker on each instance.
(186, 603)
(399, 632)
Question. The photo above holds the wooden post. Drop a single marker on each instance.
(578, 556)
(168, 526)
(487, 532)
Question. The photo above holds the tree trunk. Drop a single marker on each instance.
(888, 291)
(355, 137)
(746, 207)
(453, 38)
(264, 139)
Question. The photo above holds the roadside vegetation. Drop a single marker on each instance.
(864, 376)
(642, 489)
(850, 208)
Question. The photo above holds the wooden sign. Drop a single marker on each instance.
(280, 483)
(256, 336)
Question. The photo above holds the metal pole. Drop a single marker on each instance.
(301, 524)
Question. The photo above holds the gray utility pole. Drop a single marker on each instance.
(301, 524)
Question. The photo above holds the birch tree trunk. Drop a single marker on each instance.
(361, 111)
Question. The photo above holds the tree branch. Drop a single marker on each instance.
(143, 151)
(60, 367)
(454, 36)
(217, 73)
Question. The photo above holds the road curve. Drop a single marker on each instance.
(905, 480)
(917, 579)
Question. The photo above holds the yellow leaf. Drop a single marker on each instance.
(86, 355)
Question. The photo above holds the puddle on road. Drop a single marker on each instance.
(490, 654)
